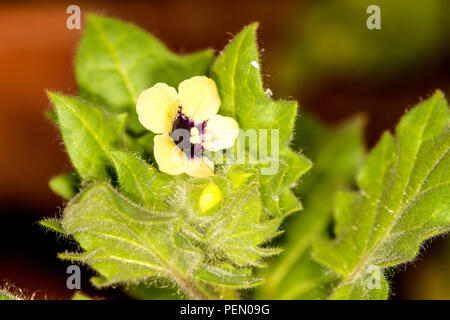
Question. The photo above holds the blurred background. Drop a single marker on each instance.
(319, 52)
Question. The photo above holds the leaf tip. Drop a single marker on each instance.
(52, 224)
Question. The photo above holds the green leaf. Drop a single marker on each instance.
(237, 228)
(337, 153)
(238, 77)
(124, 242)
(142, 183)
(403, 200)
(65, 185)
(117, 60)
(227, 276)
(52, 224)
(89, 134)
(131, 241)
(241, 230)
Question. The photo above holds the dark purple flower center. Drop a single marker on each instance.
(181, 135)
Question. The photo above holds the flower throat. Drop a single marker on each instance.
(181, 135)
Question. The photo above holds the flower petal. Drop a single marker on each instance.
(220, 133)
(157, 108)
(199, 167)
(169, 157)
(199, 98)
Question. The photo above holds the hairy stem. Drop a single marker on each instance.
(193, 290)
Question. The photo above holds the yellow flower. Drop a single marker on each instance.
(186, 124)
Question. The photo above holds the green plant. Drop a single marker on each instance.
(135, 223)
(209, 237)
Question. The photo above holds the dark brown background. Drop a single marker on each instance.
(36, 53)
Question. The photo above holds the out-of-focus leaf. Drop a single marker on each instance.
(333, 39)
(141, 146)
(89, 135)
(65, 185)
